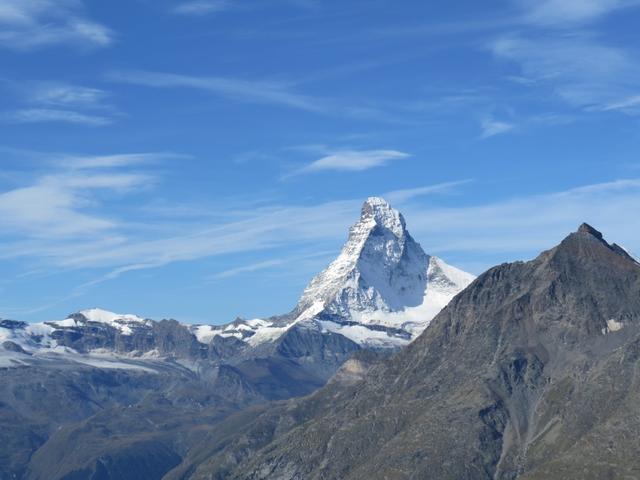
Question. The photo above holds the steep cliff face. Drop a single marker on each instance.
(381, 269)
(530, 373)
(383, 289)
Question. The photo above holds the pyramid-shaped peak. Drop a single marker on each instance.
(588, 239)
(379, 210)
(587, 229)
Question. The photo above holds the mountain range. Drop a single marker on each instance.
(532, 372)
(377, 296)
(529, 372)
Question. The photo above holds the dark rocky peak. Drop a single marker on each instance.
(586, 229)
(13, 347)
(12, 324)
(580, 289)
(589, 243)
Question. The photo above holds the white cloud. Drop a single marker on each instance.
(404, 195)
(274, 93)
(207, 7)
(569, 12)
(581, 71)
(254, 267)
(46, 115)
(202, 7)
(492, 127)
(30, 24)
(270, 264)
(68, 96)
(526, 225)
(111, 161)
(630, 104)
(61, 206)
(353, 160)
(62, 103)
(261, 92)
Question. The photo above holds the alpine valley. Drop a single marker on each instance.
(107, 396)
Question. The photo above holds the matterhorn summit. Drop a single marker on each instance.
(382, 279)
(380, 267)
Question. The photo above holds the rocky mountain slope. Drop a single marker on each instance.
(531, 373)
(123, 395)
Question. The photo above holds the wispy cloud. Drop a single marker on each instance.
(202, 7)
(269, 264)
(68, 96)
(579, 69)
(52, 207)
(254, 267)
(265, 92)
(46, 115)
(522, 226)
(31, 24)
(492, 127)
(351, 161)
(570, 12)
(207, 7)
(558, 53)
(63, 205)
(630, 104)
(274, 93)
(48, 102)
(111, 161)
(404, 195)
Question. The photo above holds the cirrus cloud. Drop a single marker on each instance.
(351, 161)
(32, 24)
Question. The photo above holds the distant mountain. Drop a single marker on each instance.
(382, 283)
(530, 373)
(381, 292)
(105, 372)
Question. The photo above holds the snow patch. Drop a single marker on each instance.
(123, 323)
(362, 335)
(612, 326)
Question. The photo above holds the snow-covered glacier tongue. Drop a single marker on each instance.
(382, 290)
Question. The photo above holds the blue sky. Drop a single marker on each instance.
(203, 159)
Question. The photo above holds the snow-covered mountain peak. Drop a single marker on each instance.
(381, 269)
(376, 209)
(104, 316)
(123, 323)
(358, 279)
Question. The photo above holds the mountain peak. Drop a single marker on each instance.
(378, 210)
(587, 229)
(586, 232)
(381, 268)
(373, 204)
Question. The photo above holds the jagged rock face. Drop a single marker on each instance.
(380, 267)
(530, 373)
(383, 289)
